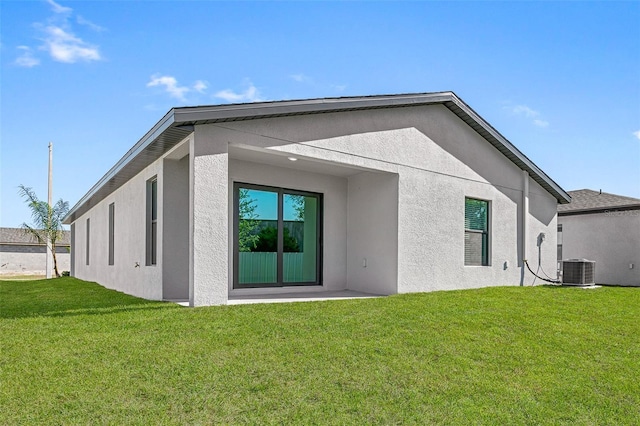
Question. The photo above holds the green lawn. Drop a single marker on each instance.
(75, 353)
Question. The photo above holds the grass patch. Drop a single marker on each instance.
(76, 353)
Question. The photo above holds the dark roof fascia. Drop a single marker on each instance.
(487, 131)
(185, 118)
(213, 114)
(611, 209)
(162, 125)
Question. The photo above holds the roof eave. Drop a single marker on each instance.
(253, 111)
(482, 127)
(593, 210)
(153, 134)
(180, 121)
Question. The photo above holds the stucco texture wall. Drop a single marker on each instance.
(612, 239)
(30, 259)
(129, 273)
(394, 183)
(438, 161)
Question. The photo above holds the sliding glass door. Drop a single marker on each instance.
(277, 236)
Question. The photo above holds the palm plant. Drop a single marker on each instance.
(47, 221)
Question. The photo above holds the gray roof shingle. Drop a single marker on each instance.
(585, 200)
(19, 236)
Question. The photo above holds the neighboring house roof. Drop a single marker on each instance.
(585, 201)
(17, 236)
(178, 123)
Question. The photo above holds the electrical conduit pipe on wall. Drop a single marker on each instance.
(525, 223)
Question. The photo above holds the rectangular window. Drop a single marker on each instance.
(476, 232)
(559, 246)
(112, 210)
(74, 249)
(88, 238)
(277, 237)
(152, 221)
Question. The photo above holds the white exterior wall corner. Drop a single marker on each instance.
(611, 239)
(209, 219)
(129, 240)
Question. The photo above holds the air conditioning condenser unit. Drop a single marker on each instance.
(579, 272)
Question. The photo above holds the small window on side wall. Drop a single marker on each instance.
(152, 221)
(112, 213)
(476, 232)
(88, 241)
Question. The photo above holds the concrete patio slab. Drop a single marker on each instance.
(300, 297)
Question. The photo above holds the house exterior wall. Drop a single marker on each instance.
(611, 239)
(130, 240)
(21, 259)
(394, 183)
(175, 225)
(372, 242)
(439, 160)
(209, 218)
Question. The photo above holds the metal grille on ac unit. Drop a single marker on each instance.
(578, 272)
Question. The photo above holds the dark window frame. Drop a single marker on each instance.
(559, 245)
(281, 191)
(151, 249)
(485, 234)
(88, 241)
(73, 250)
(112, 213)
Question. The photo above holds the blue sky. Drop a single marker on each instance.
(560, 80)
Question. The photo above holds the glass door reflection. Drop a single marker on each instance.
(257, 236)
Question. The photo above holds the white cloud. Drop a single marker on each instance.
(541, 123)
(340, 87)
(251, 94)
(637, 134)
(59, 40)
(58, 8)
(525, 111)
(300, 78)
(27, 59)
(95, 27)
(170, 85)
(64, 46)
(200, 86)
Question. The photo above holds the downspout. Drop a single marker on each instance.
(525, 220)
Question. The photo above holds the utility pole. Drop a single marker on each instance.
(49, 200)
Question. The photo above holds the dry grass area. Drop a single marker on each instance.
(25, 277)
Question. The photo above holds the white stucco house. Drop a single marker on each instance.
(377, 194)
(604, 228)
